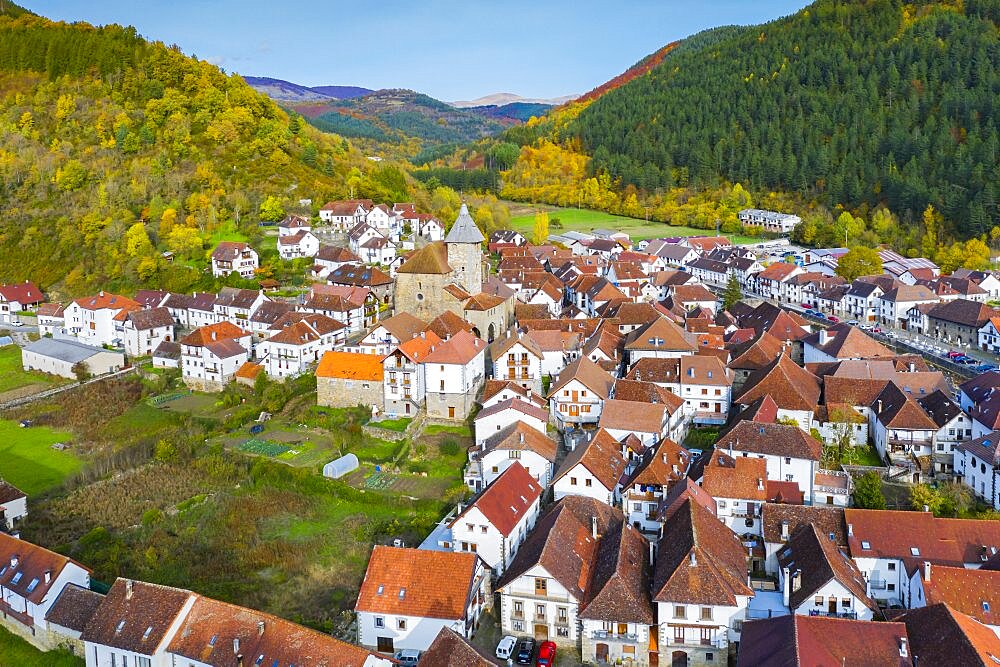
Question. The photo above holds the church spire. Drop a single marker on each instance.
(464, 230)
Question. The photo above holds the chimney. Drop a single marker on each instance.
(128, 589)
(760, 484)
(14, 560)
(214, 334)
(423, 334)
(878, 407)
(520, 437)
(850, 530)
(652, 552)
(236, 648)
(692, 559)
(786, 590)
(927, 508)
(904, 649)
(824, 336)
(260, 628)
(927, 570)
(784, 530)
(48, 576)
(593, 527)
(913, 369)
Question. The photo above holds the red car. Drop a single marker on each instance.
(805, 305)
(546, 655)
(834, 319)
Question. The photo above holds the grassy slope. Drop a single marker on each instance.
(12, 374)
(585, 220)
(16, 651)
(28, 461)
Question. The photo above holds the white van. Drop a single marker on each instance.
(506, 647)
(408, 656)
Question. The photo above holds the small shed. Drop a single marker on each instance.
(342, 466)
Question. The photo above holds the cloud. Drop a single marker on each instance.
(218, 61)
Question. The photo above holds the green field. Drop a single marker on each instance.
(585, 220)
(227, 232)
(28, 461)
(13, 376)
(16, 651)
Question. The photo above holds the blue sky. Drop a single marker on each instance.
(448, 49)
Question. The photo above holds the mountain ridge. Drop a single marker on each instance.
(503, 99)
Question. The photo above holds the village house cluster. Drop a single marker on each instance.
(584, 366)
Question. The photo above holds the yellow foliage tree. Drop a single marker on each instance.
(541, 232)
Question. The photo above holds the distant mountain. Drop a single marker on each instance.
(286, 91)
(395, 115)
(342, 92)
(518, 112)
(503, 99)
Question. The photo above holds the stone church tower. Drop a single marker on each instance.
(465, 252)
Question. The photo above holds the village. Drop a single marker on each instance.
(683, 451)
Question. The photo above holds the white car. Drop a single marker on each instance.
(407, 656)
(506, 647)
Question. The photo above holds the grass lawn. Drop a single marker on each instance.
(16, 651)
(399, 425)
(226, 232)
(585, 220)
(13, 375)
(435, 429)
(28, 461)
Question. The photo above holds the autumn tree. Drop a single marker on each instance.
(271, 209)
(541, 231)
(859, 261)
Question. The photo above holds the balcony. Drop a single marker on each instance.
(877, 584)
(694, 641)
(609, 636)
(852, 615)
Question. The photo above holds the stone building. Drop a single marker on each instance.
(442, 275)
(346, 379)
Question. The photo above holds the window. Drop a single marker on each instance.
(140, 661)
(482, 529)
(865, 544)
(379, 622)
(518, 607)
(680, 611)
(891, 587)
(572, 481)
(818, 601)
(846, 602)
(788, 460)
(891, 566)
(562, 614)
(496, 468)
(401, 624)
(588, 482)
(709, 657)
(541, 587)
(706, 613)
(562, 631)
(539, 611)
(722, 504)
(517, 626)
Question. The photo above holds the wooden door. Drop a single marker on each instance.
(385, 644)
(831, 605)
(574, 410)
(679, 659)
(602, 652)
(541, 632)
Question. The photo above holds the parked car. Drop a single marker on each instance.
(408, 656)
(546, 654)
(806, 306)
(16, 323)
(891, 334)
(955, 355)
(834, 319)
(985, 368)
(525, 651)
(695, 454)
(506, 647)
(866, 327)
(877, 330)
(853, 323)
(819, 315)
(810, 311)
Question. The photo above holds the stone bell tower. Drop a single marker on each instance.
(465, 252)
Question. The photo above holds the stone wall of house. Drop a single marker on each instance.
(422, 295)
(697, 657)
(339, 393)
(589, 649)
(500, 317)
(438, 404)
(953, 332)
(198, 384)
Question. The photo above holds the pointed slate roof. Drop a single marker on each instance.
(464, 230)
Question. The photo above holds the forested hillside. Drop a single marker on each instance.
(854, 103)
(114, 149)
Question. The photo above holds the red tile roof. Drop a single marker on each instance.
(506, 501)
(418, 582)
